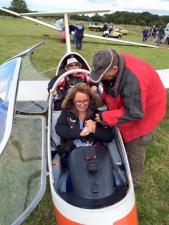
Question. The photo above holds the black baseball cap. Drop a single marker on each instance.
(101, 63)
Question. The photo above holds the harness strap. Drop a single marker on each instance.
(90, 157)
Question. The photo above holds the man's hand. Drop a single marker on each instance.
(94, 89)
(97, 118)
(53, 92)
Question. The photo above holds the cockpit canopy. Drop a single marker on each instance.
(23, 89)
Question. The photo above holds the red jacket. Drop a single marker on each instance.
(82, 78)
(136, 100)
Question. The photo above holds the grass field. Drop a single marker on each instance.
(153, 196)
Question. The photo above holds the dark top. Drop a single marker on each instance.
(68, 128)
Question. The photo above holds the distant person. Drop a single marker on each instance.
(110, 28)
(105, 27)
(136, 101)
(167, 40)
(78, 35)
(153, 32)
(145, 34)
(160, 35)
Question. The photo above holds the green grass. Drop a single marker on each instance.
(153, 197)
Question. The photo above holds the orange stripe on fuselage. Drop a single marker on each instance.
(130, 219)
(61, 220)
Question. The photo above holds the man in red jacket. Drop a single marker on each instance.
(136, 101)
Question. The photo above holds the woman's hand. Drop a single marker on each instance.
(85, 131)
(91, 125)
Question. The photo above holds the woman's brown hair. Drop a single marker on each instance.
(83, 88)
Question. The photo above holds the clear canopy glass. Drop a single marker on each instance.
(7, 75)
(22, 170)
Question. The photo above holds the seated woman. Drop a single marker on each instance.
(76, 125)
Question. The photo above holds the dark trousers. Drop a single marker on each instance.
(136, 155)
(78, 42)
(144, 38)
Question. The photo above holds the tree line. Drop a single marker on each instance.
(123, 17)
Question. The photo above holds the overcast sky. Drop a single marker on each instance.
(160, 7)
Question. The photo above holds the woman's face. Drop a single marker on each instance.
(81, 101)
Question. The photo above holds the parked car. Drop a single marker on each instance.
(121, 30)
(93, 26)
(113, 34)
